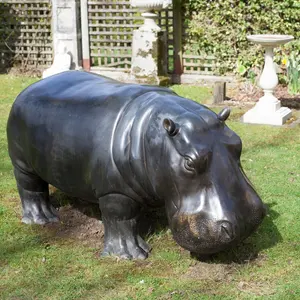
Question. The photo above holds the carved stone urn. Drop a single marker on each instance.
(148, 7)
(148, 62)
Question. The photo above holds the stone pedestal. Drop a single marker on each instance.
(148, 63)
(65, 28)
(268, 110)
(149, 45)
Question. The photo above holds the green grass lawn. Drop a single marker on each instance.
(38, 263)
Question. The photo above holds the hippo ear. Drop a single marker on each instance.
(224, 114)
(170, 127)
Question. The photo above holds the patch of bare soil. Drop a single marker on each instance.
(291, 101)
(246, 93)
(217, 268)
(23, 71)
(211, 271)
(78, 226)
(243, 94)
(219, 272)
(81, 220)
(256, 288)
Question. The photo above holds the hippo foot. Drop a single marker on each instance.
(38, 219)
(121, 241)
(133, 253)
(36, 206)
(38, 212)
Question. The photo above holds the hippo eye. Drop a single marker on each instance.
(189, 164)
(199, 165)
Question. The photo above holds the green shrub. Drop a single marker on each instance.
(291, 61)
(220, 28)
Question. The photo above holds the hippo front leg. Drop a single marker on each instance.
(121, 238)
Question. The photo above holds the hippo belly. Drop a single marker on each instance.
(126, 146)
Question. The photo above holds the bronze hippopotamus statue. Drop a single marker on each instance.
(126, 146)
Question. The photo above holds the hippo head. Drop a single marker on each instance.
(210, 203)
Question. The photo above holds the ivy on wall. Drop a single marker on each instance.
(220, 28)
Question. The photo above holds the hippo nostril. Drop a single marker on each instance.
(227, 230)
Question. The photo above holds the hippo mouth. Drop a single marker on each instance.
(203, 236)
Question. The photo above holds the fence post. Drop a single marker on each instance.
(177, 29)
(219, 92)
(65, 28)
(86, 62)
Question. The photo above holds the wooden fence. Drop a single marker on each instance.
(25, 36)
(25, 33)
(111, 25)
(196, 64)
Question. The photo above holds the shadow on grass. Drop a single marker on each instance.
(28, 243)
(152, 222)
(59, 199)
(266, 236)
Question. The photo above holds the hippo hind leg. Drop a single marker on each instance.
(119, 215)
(34, 194)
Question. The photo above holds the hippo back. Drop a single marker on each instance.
(61, 128)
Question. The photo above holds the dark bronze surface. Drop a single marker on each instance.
(126, 146)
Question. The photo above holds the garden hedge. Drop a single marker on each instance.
(220, 28)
